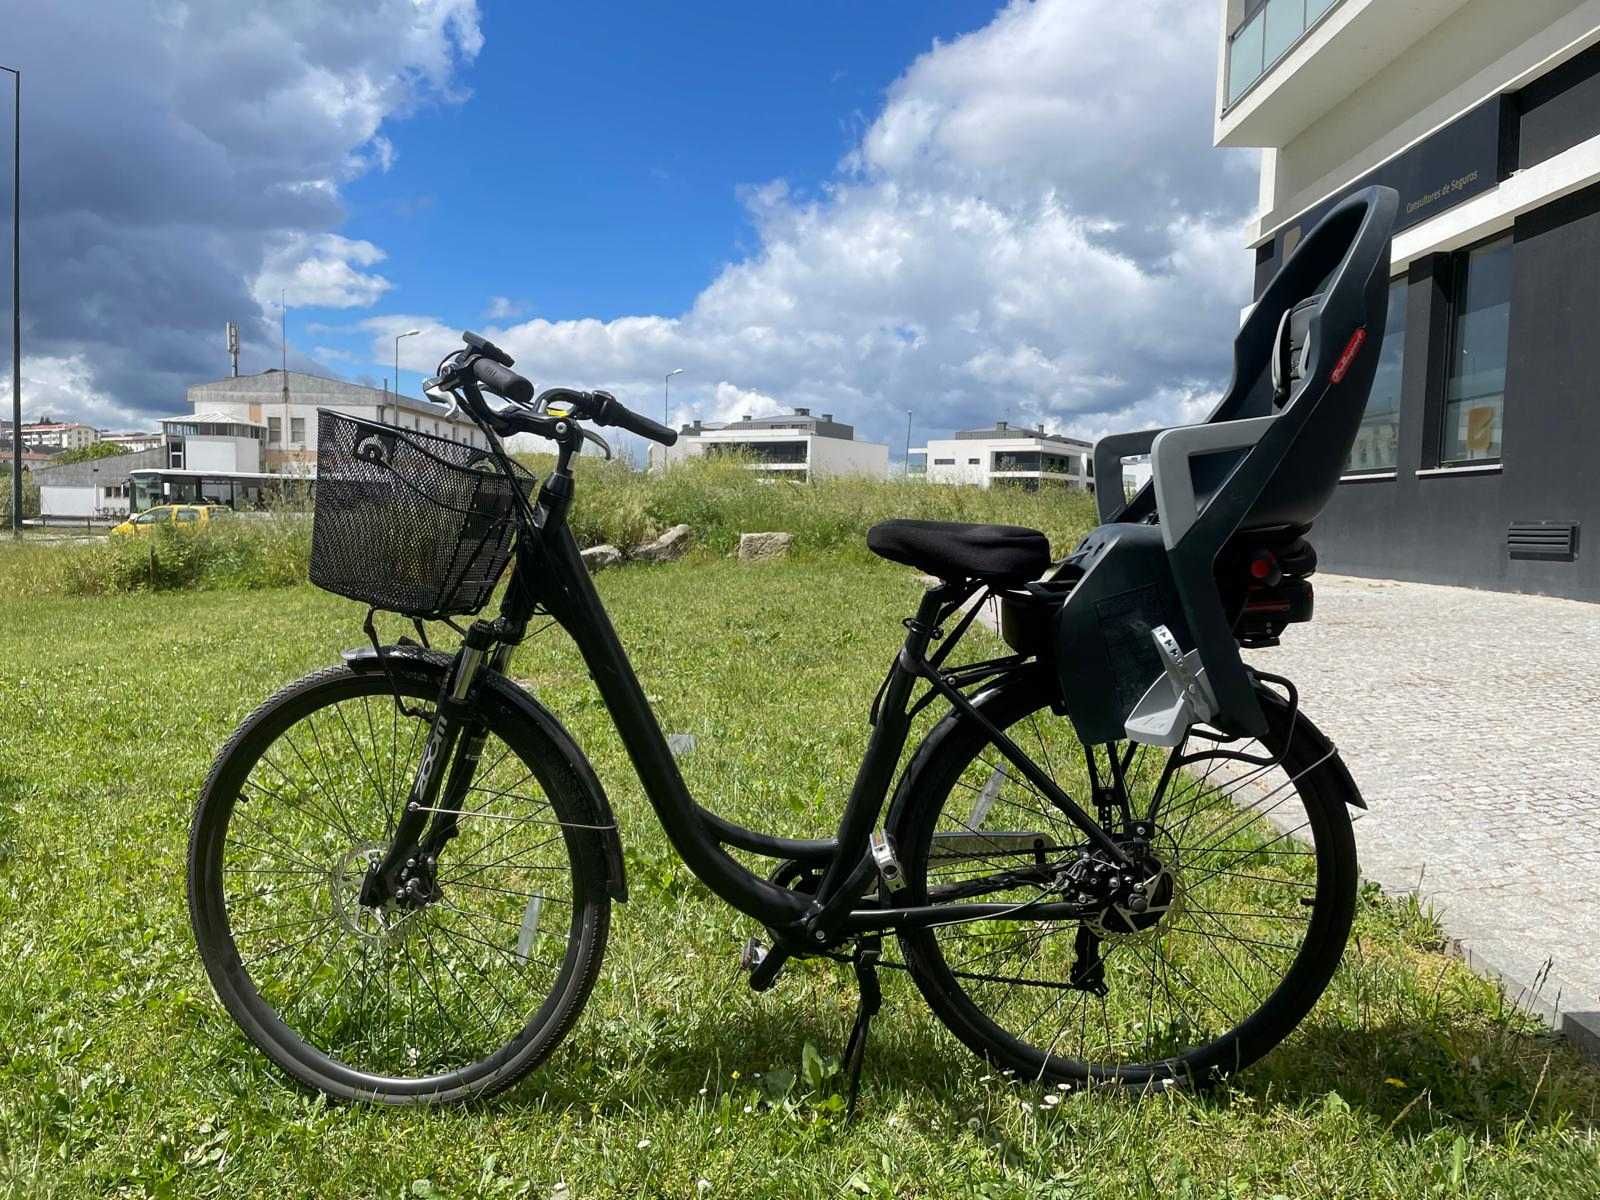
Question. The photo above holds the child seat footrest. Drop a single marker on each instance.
(1179, 698)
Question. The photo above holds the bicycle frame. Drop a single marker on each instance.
(550, 577)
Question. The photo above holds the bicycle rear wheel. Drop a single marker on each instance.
(456, 998)
(1251, 896)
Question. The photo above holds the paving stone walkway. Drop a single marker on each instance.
(1471, 722)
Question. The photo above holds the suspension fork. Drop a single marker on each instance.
(406, 869)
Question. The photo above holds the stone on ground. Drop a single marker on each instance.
(598, 558)
(758, 547)
(668, 546)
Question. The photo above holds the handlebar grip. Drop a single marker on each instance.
(502, 381)
(487, 348)
(611, 411)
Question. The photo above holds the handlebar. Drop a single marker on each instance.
(502, 380)
(605, 409)
(490, 368)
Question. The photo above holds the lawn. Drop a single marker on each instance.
(120, 1074)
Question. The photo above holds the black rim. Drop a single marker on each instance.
(1242, 909)
(427, 997)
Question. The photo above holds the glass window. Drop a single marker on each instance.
(974, 462)
(1286, 20)
(1377, 444)
(297, 431)
(1475, 376)
(154, 517)
(274, 431)
(944, 462)
(1244, 57)
(186, 515)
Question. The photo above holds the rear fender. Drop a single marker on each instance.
(563, 749)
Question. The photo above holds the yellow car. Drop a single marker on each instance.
(179, 516)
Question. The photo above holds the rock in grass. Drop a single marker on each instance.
(668, 546)
(598, 558)
(758, 547)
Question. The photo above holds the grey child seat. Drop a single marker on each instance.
(1157, 598)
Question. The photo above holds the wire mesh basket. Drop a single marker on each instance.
(408, 522)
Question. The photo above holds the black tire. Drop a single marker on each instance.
(307, 823)
(1252, 911)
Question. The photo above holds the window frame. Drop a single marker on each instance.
(1401, 279)
(1456, 268)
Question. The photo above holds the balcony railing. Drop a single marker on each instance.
(1271, 28)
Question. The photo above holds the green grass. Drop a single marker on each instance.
(120, 1075)
(718, 498)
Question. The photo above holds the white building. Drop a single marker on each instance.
(99, 488)
(285, 405)
(1475, 459)
(133, 441)
(1026, 458)
(798, 446)
(58, 435)
(242, 443)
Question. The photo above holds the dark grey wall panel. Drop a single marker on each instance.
(1452, 529)
(1559, 109)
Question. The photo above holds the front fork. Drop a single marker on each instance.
(406, 873)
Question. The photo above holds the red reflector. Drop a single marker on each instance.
(1261, 567)
(1351, 349)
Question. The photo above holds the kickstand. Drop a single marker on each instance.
(865, 961)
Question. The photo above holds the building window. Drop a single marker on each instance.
(974, 462)
(274, 431)
(297, 431)
(1475, 372)
(1016, 460)
(175, 453)
(944, 462)
(1377, 444)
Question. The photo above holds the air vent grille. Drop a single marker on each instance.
(1549, 541)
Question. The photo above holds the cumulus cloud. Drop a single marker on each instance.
(319, 271)
(189, 165)
(1034, 226)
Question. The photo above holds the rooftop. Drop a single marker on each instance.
(270, 383)
(799, 421)
(1004, 429)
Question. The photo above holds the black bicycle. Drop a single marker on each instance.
(1121, 855)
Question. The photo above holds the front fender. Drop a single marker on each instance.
(560, 744)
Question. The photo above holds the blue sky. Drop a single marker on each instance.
(970, 211)
(603, 178)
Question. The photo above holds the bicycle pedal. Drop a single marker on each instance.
(887, 862)
(753, 955)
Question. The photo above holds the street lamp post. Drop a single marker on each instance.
(16, 308)
(397, 337)
(666, 391)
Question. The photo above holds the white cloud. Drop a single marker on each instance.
(1035, 225)
(320, 270)
(503, 308)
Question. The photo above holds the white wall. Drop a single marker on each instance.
(836, 456)
(224, 453)
(1485, 47)
(65, 500)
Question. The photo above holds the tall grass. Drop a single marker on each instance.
(718, 499)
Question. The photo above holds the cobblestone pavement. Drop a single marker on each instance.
(1471, 722)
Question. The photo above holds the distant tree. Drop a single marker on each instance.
(88, 453)
(30, 496)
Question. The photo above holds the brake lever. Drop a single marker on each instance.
(440, 395)
(590, 435)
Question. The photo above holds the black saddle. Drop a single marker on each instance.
(952, 550)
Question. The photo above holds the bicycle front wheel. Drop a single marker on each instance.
(1243, 917)
(455, 998)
